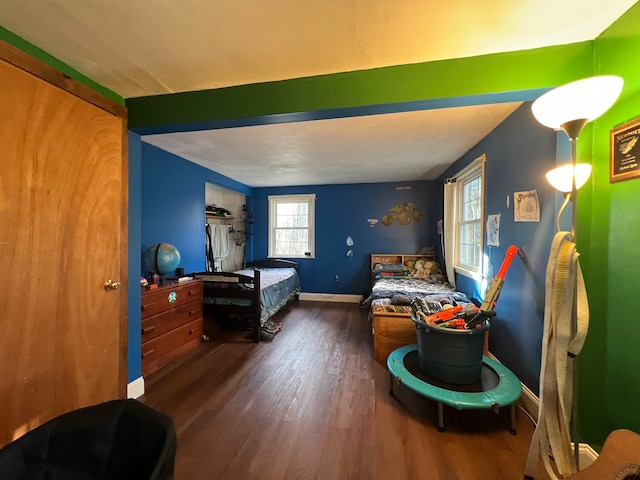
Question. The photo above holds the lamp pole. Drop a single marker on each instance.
(573, 129)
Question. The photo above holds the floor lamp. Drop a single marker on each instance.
(568, 108)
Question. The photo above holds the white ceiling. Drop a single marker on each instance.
(377, 148)
(150, 47)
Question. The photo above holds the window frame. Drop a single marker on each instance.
(475, 170)
(274, 200)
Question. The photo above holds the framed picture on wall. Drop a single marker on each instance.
(625, 151)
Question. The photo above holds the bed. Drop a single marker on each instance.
(258, 291)
(396, 280)
(400, 292)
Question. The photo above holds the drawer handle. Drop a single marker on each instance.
(148, 306)
(194, 292)
(148, 353)
(192, 312)
(148, 329)
(190, 331)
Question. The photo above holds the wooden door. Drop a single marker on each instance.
(62, 234)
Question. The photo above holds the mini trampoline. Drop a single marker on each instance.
(498, 386)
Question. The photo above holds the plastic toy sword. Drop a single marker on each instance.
(496, 284)
(489, 303)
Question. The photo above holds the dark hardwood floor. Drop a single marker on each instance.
(313, 404)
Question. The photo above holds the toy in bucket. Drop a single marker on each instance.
(465, 316)
(451, 341)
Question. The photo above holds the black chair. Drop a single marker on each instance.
(119, 439)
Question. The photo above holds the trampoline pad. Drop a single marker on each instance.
(498, 386)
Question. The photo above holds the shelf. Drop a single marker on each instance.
(219, 217)
(397, 258)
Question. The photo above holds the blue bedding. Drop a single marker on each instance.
(277, 287)
(405, 289)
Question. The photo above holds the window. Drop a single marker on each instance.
(291, 225)
(470, 212)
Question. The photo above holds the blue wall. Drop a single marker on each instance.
(134, 364)
(173, 204)
(519, 152)
(166, 204)
(342, 211)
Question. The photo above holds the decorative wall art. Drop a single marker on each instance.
(349, 241)
(402, 213)
(493, 230)
(526, 206)
(624, 151)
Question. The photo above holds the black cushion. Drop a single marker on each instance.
(119, 439)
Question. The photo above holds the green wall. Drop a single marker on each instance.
(609, 223)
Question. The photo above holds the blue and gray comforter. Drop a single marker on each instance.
(400, 291)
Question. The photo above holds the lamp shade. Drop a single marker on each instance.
(561, 178)
(584, 99)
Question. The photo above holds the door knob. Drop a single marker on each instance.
(111, 285)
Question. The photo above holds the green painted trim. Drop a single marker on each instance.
(503, 72)
(36, 52)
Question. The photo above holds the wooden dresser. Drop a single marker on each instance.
(171, 323)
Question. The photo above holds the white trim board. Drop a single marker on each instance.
(587, 455)
(135, 389)
(330, 297)
(531, 404)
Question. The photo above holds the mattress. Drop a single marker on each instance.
(277, 287)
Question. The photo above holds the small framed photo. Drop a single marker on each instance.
(625, 151)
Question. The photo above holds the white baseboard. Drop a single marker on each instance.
(331, 297)
(531, 403)
(135, 389)
(587, 455)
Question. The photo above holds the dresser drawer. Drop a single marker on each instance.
(156, 325)
(391, 332)
(164, 348)
(170, 297)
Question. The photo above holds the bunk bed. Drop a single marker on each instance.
(258, 291)
(396, 280)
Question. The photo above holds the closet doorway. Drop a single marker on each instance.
(227, 229)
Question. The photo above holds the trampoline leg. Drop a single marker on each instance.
(440, 417)
(513, 430)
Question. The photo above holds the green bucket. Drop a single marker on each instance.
(450, 355)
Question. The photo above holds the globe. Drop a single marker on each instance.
(161, 258)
